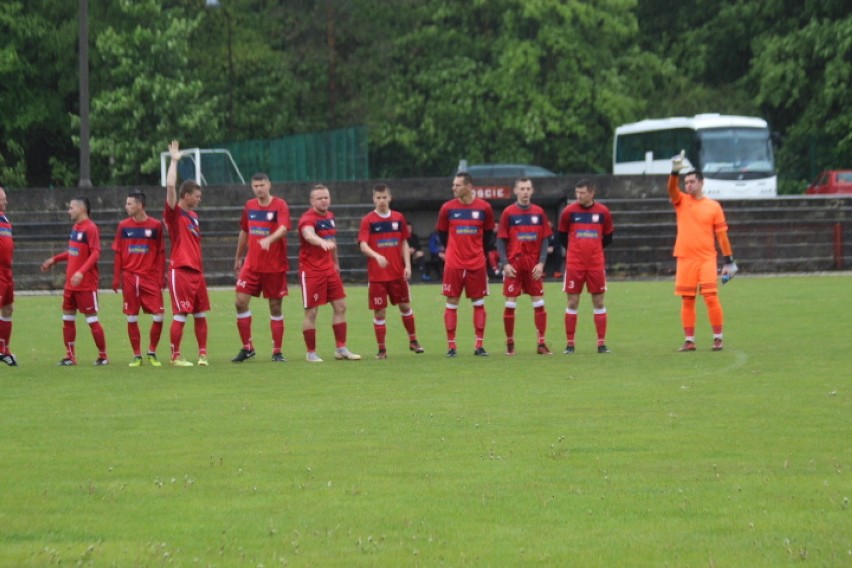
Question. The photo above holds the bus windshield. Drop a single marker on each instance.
(735, 153)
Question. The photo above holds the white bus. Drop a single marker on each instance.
(733, 152)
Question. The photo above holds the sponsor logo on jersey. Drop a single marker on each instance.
(587, 234)
(137, 249)
(259, 231)
(467, 230)
(387, 243)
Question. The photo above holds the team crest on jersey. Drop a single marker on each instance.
(331, 222)
(535, 219)
(269, 216)
(148, 232)
(79, 236)
(596, 218)
(476, 214)
(395, 226)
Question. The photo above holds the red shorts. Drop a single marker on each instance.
(694, 273)
(188, 291)
(474, 283)
(83, 302)
(395, 291)
(595, 281)
(522, 283)
(141, 294)
(270, 284)
(7, 289)
(318, 290)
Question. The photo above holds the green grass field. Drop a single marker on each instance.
(643, 457)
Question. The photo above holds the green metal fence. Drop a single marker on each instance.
(333, 155)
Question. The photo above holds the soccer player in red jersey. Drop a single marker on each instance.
(185, 276)
(263, 241)
(7, 283)
(81, 283)
(139, 270)
(319, 275)
(585, 229)
(465, 225)
(700, 224)
(522, 239)
(383, 238)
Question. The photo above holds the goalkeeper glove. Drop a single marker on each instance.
(679, 162)
(729, 270)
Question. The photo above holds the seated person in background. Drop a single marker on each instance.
(436, 255)
(418, 257)
(555, 258)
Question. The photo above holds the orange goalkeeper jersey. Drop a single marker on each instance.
(698, 221)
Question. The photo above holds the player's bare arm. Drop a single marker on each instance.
(311, 236)
(538, 269)
(171, 176)
(406, 258)
(242, 245)
(277, 235)
(370, 253)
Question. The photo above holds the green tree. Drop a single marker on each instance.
(147, 91)
(510, 80)
(250, 54)
(38, 76)
(803, 79)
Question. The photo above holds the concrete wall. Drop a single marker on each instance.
(781, 234)
(419, 198)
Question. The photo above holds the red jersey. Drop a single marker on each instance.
(140, 247)
(7, 244)
(185, 234)
(525, 229)
(258, 222)
(384, 235)
(586, 227)
(84, 250)
(313, 259)
(466, 226)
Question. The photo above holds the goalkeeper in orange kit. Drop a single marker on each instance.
(700, 224)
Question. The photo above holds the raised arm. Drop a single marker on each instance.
(171, 176)
(678, 164)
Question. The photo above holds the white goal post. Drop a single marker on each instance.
(202, 161)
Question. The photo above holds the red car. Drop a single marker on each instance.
(831, 181)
